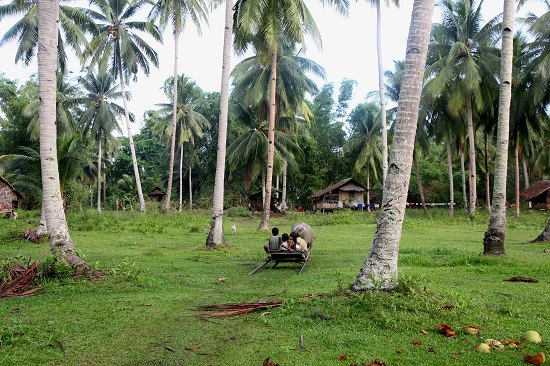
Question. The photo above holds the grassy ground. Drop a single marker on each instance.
(145, 312)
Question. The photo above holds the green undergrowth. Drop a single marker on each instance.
(157, 272)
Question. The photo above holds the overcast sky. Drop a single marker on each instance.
(349, 50)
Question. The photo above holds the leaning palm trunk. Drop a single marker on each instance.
(382, 90)
(472, 170)
(215, 235)
(380, 268)
(130, 138)
(60, 241)
(264, 225)
(493, 242)
(451, 179)
(174, 119)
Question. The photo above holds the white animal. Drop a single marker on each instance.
(14, 215)
(233, 229)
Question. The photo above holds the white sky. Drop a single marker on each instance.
(349, 50)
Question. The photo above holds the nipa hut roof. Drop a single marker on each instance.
(18, 194)
(349, 184)
(535, 190)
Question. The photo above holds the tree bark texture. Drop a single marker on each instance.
(167, 203)
(60, 240)
(493, 242)
(451, 178)
(215, 235)
(264, 224)
(382, 90)
(380, 268)
(472, 178)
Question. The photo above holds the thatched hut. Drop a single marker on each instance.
(345, 193)
(538, 194)
(9, 197)
(157, 194)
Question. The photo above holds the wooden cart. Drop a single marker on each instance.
(282, 256)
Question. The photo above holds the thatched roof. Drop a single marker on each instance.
(535, 190)
(17, 193)
(349, 184)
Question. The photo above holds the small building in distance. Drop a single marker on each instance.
(256, 202)
(345, 193)
(538, 194)
(9, 198)
(157, 194)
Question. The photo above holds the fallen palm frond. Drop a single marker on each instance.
(237, 309)
(20, 279)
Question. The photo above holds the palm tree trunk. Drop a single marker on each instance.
(381, 88)
(215, 235)
(368, 189)
(181, 180)
(42, 228)
(61, 243)
(419, 182)
(190, 187)
(104, 187)
(177, 32)
(451, 178)
(264, 224)
(380, 268)
(472, 169)
(285, 167)
(516, 161)
(130, 138)
(99, 175)
(463, 172)
(487, 175)
(493, 242)
(525, 175)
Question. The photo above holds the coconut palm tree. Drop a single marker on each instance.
(493, 242)
(99, 117)
(380, 268)
(269, 21)
(463, 61)
(381, 85)
(365, 141)
(117, 43)
(190, 123)
(177, 12)
(215, 234)
(73, 25)
(61, 243)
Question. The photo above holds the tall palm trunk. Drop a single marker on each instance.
(264, 225)
(487, 175)
(181, 180)
(190, 188)
(104, 187)
(381, 88)
(472, 170)
(42, 227)
(61, 243)
(463, 173)
(177, 32)
(283, 199)
(215, 235)
(451, 178)
(368, 189)
(516, 161)
(419, 182)
(99, 175)
(380, 268)
(493, 242)
(130, 138)
(525, 175)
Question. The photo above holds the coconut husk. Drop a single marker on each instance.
(20, 280)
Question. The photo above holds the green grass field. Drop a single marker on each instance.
(144, 311)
